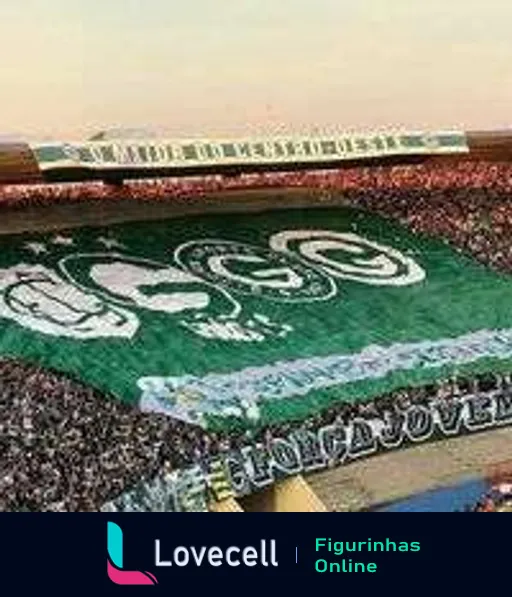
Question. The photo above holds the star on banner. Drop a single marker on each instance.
(62, 240)
(110, 243)
(36, 248)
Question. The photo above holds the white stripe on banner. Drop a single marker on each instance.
(220, 393)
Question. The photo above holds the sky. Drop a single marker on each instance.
(70, 68)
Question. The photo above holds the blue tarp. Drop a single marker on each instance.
(446, 499)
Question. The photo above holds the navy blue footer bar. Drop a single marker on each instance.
(198, 554)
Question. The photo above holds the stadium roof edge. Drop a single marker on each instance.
(118, 159)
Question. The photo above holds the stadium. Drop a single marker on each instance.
(283, 323)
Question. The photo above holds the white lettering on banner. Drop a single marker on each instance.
(336, 443)
(206, 152)
(121, 279)
(264, 278)
(256, 465)
(114, 287)
(219, 393)
(226, 264)
(366, 261)
(125, 280)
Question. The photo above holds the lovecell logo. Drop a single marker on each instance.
(115, 570)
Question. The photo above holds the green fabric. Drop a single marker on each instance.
(198, 317)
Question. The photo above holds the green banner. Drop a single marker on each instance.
(210, 153)
(244, 319)
(239, 472)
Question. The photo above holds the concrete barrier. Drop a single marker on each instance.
(229, 505)
(290, 495)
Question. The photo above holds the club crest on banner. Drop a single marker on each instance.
(97, 295)
(39, 299)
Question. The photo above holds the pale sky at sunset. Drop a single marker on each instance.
(72, 67)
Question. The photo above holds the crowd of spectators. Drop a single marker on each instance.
(497, 499)
(467, 203)
(379, 180)
(343, 412)
(65, 447)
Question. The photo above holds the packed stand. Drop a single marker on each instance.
(498, 499)
(66, 447)
(464, 175)
(467, 203)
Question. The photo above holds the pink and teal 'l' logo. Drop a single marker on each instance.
(115, 561)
